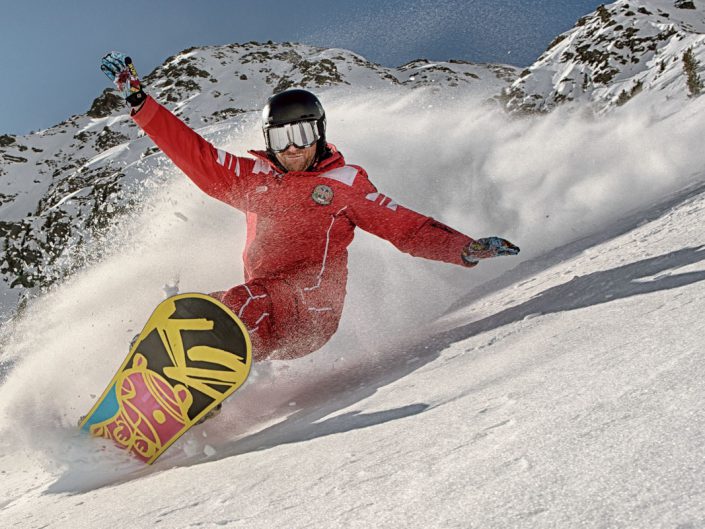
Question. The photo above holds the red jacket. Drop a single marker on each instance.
(297, 220)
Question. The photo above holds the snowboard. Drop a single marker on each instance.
(191, 355)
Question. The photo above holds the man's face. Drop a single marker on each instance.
(296, 158)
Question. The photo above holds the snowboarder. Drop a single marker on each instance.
(302, 201)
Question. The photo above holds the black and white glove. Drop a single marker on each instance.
(485, 248)
(121, 71)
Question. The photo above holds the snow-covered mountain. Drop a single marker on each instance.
(63, 187)
(648, 49)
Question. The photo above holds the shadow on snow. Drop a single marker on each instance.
(643, 277)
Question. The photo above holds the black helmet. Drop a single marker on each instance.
(291, 106)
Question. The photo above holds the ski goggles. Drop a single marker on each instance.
(301, 134)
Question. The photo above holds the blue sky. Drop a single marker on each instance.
(50, 50)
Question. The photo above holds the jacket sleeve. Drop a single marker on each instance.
(216, 172)
(410, 232)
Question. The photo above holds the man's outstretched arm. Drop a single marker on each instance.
(216, 172)
(417, 234)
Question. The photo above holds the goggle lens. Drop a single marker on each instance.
(302, 134)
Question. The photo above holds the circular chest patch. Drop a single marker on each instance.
(322, 194)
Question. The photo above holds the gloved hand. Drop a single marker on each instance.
(486, 248)
(120, 70)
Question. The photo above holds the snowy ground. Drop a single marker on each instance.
(566, 393)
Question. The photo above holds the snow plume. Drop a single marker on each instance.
(540, 181)
(69, 342)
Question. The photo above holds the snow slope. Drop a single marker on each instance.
(566, 392)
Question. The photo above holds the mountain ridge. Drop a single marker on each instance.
(620, 51)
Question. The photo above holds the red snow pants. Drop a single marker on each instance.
(289, 316)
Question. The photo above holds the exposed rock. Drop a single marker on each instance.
(6, 140)
(107, 103)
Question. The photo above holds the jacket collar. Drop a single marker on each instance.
(331, 162)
